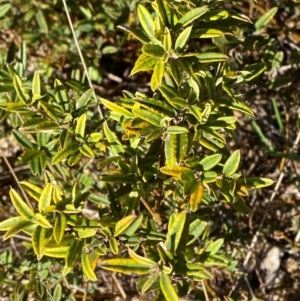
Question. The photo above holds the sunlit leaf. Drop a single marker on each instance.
(20, 205)
(168, 288)
(232, 164)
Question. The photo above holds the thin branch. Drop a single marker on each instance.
(205, 291)
(81, 57)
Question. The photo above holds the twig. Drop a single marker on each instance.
(81, 57)
(16, 179)
(120, 288)
(205, 291)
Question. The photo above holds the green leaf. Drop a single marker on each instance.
(8, 223)
(41, 21)
(41, 220)
(146, 20)
(216, 246)
(20, 205)
(175, 129)
(38, 241)
(20, 226)
(74, 253)
(211, 161)
(206, 33)
(86, 151)
(232, 164)
(196, 229)
(114, 246)
(84, 98)
(87, 267)
(162, 9)
(57, 294)
(136, 32)
(210, 57)
(125, 266)
(255, 183)
(116, 108)
(175, 171)
(57, 252)
(255, 70)
(117, 178)
(22, 140)
(240, 205)
(142, 260)
(175, 232)
(61, 95)
(170, 150)
(265, 18)
(182, 39)
(145, 64)
(80, 128)
(123, 224)
(153, 50)
(167, 42)
(134, 226)
(192, 15)
(168, 288)
(158, 74)
(36, 86)
(114, 143)
(70, 149)
(52, 111)
(22, 94)
(59, 227)
(46, 197)
(196, 197)
(148, 116)
(4, 9)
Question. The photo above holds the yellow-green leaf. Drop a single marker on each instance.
(20, 205)
(125, 266)
(183, 38)
(123, 224)
(80, 127)
(114, 246)
(116, 108)
(196, 197)
(192, 15)
(74, 253)
(232, 164)
(86, 151)
(38, 241)
(158, 74)
(176, 171)
(146, 20)
(115, 144)
(170, 150)
(142, 260)
(168, 288)
(20, 226)
(22, 94)
(59, 227)
(210, 57)
(65, 152)
(57, 252)
(148, 116)
(41, 220)
(87, 266)
(46, 197)
(265, 18)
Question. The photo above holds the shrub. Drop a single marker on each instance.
(160, 155)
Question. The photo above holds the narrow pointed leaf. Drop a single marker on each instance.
(113, 141)
(182, 39)
(255, 183)
(265, 18)
(57, 252)
(176, 171)
(20, 226)
(116, 108)
(175, 232)
(8, 223)
(140, 259)
(146, 20)
(69, 150)
(196, 197)
(87, 267)
(211, 161)
(59, 227)
(148, 116)
(20, 205)
(232, 164)
(41, 220)
(125, 266)
(210, 57)
(46, 197)
(170, 150)
(192, 15)
(123, 224)
(153, 50)
(74, 253)
(80, 127)
(168, 288)
(38, 241)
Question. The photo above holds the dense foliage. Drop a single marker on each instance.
(128, 183)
